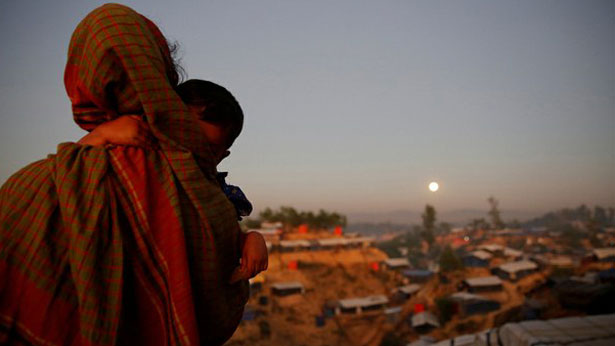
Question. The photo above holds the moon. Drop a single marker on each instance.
(433, 186)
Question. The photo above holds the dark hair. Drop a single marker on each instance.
(175, 71)
(221, 107)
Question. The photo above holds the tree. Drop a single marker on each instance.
(267, 215)
(477, 224)
(290, 217)
(571, 237)
(429, 221)
(514, 223)
(444, 228)
(494, 213)
(449, 261)
(251, 223)
(583, 212)
(600, 216)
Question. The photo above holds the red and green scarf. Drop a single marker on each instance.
(105, 246)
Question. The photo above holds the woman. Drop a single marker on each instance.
(105, 246)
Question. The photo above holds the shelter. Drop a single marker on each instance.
(588, 278)
(463, 340)
(494, 249)
(423, 341)
(591, 298)
(590, 330)
(359, 305)
(392, 314)
(470, 304)
(512, 253)
(569, 331)
(483, 284)
(424, 322)
(563, 262)
(508, 232)
(396, 263)
(478, 258)
(256, 283)
(418, 275)
(250, 313)
(515, 270)
(332, 243)
(272, 225)
(532, 309)
(270, 235)
(606, 254)
(329, 308)
(294, 245)
(405, 292)
(360, 242)
(287, 288)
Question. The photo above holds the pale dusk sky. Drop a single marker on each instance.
(357, 105)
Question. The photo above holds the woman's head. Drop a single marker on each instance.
(110, 50)
(120, 63)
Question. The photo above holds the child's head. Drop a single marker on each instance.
(221, 117)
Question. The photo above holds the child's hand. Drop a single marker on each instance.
(125, 130)
(254, 257)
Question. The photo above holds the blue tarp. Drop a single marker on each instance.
(418, 273)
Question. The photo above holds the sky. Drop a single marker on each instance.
(356, 106)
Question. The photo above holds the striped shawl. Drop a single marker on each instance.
(127, 246)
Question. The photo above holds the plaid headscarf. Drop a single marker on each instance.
(104, 246)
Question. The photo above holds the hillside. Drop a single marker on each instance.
(327, 275)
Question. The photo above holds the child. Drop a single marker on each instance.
(221, 121)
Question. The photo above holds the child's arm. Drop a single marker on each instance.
(125, 130)
(254, 257)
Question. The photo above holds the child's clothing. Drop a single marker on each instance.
(236, 196)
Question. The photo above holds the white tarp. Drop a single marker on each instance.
(569, 331)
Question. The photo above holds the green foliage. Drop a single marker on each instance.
(449, 261)
(251, 223)
(571, 236)
(429, 222)
(514, 223)
(410, 240)
(477, 224)
(391, 247)
(291, 217)
(444, 228)
(446, 309)
(494, 213)
(602, 217)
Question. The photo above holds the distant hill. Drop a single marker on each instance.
(602, 216)
(457, 217)
(379, 228)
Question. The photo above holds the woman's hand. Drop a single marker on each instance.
(254, 257)
(125, 130)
